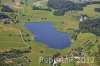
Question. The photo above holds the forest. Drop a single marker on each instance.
(92, 26)
(62, 6)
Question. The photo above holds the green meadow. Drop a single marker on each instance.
(10, 36)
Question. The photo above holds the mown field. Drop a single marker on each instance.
(10, 38)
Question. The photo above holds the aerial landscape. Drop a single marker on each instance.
(49, 32)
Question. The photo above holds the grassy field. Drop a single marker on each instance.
(10, 34)
(89, 10)
(10, 38)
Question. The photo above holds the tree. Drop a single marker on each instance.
(58, 64)
(97, 9)
(30, 49)
(6, 9)
(41, 51)
(56, 55)
(2, 16)
(59, 13)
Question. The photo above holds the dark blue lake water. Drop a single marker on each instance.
(47, 34)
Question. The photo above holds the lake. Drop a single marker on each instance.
(47, 34)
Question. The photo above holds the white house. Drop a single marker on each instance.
(83, 17)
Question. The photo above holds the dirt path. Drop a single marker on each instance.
(29, 46)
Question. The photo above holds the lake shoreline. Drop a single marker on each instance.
(53, 28)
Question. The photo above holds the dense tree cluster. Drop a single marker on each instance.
(63, 6)
(40, 8)
(92, 26)
(97, 9)
(6, 9)
(59, 13)
(2, 15)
